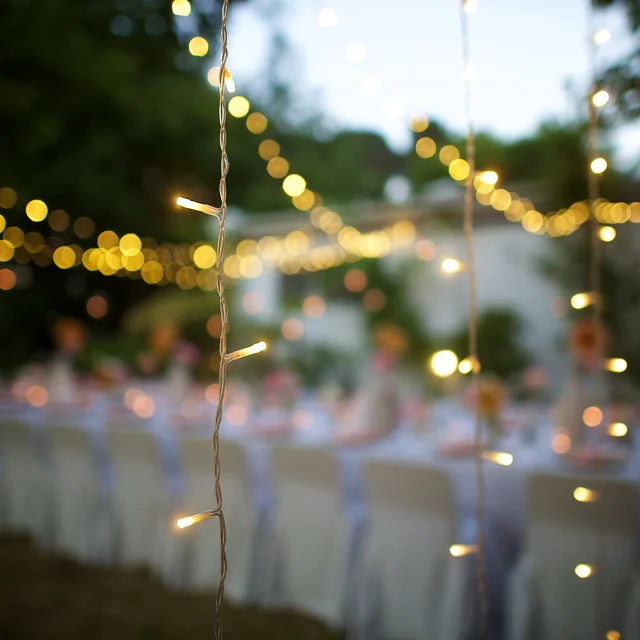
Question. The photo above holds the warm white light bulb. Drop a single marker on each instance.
(602, 36)
(599, 165)
(444, 363)
(600, 98)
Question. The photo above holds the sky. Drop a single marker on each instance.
(524, 54)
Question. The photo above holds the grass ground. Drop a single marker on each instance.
(53, 598)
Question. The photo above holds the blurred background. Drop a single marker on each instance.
(345, 254)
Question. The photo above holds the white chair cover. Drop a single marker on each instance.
(141, 503)
(413, 589)
(24, 489)
(312, 538)
(202, 541)
(547, 599)
(81, 512)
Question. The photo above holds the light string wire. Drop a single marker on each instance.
(224, 315)
(481, 570)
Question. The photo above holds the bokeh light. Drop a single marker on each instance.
(600, 98)
(292, 329)
(374, 300)
(130, 245)
(204, 257)
(327, 17)
(198, 46)
(425, 147)
(599, 165)
(8, 198)
(618, 429)
(607, 234)
(37, 396)
(451, 265)
(36, 210)
(64, 257)
(443, 363)
(602, 36)
(448, 154)
(84, 227)
(238, 106)
(582, 494)
(277, 167)
(592, 416)
(425, 250)
(294, 185)
(58, 220)
(355, 280)
(253, 302)
(269, 149)
(314, 306)
(181, 7)
(97, 306)
(583, 570)
(7, 279)
(419, 122)
(617, 365)
(257, 123)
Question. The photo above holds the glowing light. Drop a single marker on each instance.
(236, 415)
(7, 251)
(443, 363)
(269, 149)
(277, 167)
(618, 429)
(599, 165)
(314, 306)
(257, 122)
(296, 242)
(617, 365)
(294, 185)
(602, 36)
(247, 351)
(356, 53)
(466, 366)
(583, 570)
(292, 329)
(471, 6)
(607, 234)
(130, 396)
(327, 17)
(64, 257)
(130, 245)
(460, 550)
(451, 265)
(198, 47)
(7, 279)
(304, 201)
(143, 406)
(355, 280)
(592, 416)
(37, 396)
(239, 106)
(459, 169)
(181, 7)
(97, 307)
(600, 98)
(419, 123)
(489, 177)
(214, 79)
(36, 210)
(8, 198)
(15, 236)
(197, 206)
(425, 147)
(204, 257)
(152, 272)
(503, 459)
(582, 494)
(448, 154)
(108, 240)
(581, 300)
(211, 393)
(613, 635)
(182, 523)
(561, 443)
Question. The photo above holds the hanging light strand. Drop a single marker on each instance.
(473, 330)
(224, 314)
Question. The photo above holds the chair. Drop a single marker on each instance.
(81, 512)
(140, 498)
(24, 488)
(411, 587)
(312, 539)
(201, 542)
(547, 599)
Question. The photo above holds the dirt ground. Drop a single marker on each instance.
(44, 596)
